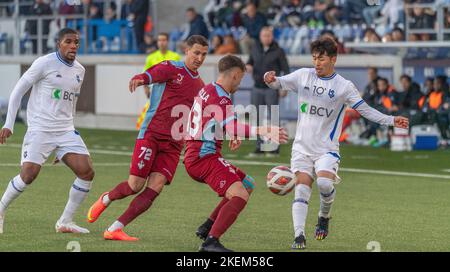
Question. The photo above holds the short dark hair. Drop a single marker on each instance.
(384, 79)
(197, 39)
(229, 62)
(324, 45)
(164, 34)
(64, 32)
(405, 76)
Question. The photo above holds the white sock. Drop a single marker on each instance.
(106, 200)
(115, 226)
(327, 195)
(77, 194)
(15, 187)
(300, 208)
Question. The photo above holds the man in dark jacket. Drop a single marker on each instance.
(139, 13)
(266, 56)
(196, 23)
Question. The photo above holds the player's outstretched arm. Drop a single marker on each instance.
(138, 80)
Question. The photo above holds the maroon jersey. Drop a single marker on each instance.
(173, 84)
(211, 112)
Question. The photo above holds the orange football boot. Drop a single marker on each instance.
(96, 209)
(118, 235)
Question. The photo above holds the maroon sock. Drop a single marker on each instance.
(216, 211)
(140, 204)
(227, 216)
(121, 191)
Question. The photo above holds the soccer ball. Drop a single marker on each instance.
(281, 180)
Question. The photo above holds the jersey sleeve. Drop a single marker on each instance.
(161, 72)
(355, 101)
(290, 82)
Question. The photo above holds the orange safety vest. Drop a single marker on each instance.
(387, 102)
(421, 102)
(436, 100)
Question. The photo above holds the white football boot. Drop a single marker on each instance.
(70, 227)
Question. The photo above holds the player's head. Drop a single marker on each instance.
(324, 54)
(196, 51)
(68, 42)
(163, 41)
(231, 70)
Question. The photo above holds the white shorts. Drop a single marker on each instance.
(39, 145)
(311, 165)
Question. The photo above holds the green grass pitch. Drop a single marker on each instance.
(400, 212)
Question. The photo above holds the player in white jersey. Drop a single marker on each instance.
(323, 96)
(56, 81)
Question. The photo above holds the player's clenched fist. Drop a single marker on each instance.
(269, 77)
(401, 122)
(138, 80)
(4, 134)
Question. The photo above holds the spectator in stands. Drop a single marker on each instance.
(211, 11)
(266, 56)
(370, 91)
(216, 41)
(125, 10)
(139, 13)
(370, 13)
(435, 107)
(352, 10)
(409, 97)
(292, 13)
(149, 45)
(371, 36)
(391, 13)
(110, 13)
(39, 8)
(253, 21)
(398, 35)
(275, 13)
(66, 9)
(230, 14)
(422, 18)
(332, 15)
(385, 99)
(331, 35)
(229, 46)
(95, 12)
(196, 23)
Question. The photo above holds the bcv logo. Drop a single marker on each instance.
(315, 110)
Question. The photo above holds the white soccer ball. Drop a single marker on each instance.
(281, 180)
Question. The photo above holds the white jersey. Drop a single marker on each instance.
(322, 103)
(55, 85)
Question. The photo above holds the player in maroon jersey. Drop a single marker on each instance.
(212, 116)
(157, 151)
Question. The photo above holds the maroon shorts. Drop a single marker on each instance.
(216, 172)
(152, 155)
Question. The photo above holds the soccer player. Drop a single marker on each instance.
(322, 98)
(163, 53)
(156, 152)
(56, 81)
(212, 115)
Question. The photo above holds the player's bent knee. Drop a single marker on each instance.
(325, 185)
(29, 172)
(136, 183)
(87, 174)
(237, 190)
(157, 182)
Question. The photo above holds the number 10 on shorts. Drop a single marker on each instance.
(146, 153)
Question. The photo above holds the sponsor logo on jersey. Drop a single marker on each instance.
(315, 110)
(64, 95)
(56, 94)
(179, 79)
(223, 101)
(319, 91)
(222, 183)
